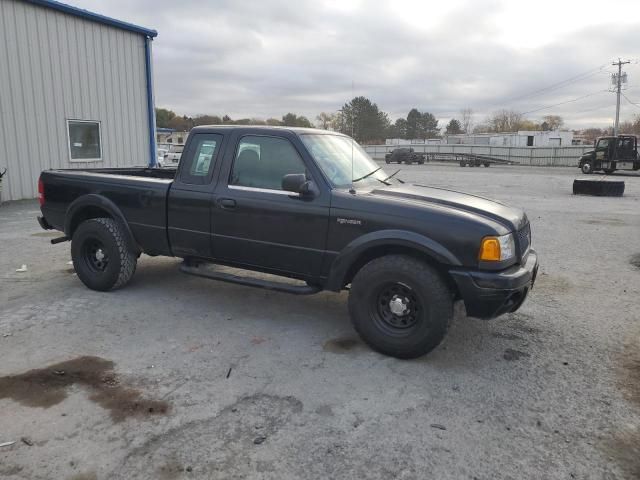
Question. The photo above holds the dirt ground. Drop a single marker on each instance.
(177, 377)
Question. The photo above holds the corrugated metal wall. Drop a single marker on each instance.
(55, 67)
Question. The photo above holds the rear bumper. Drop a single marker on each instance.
(43, 223)
(490, 294)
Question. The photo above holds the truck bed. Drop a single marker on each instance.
(139, 193)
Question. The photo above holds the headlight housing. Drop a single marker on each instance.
(497, 249)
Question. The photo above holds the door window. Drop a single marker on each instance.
(261, 162)
(199, 160)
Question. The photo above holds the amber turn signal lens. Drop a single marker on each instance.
(490, 249)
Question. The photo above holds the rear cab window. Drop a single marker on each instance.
(199, 159)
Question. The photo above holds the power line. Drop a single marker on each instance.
(576, 78)
(565, 102)
(637, 105)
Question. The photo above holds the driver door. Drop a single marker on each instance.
(255, 223)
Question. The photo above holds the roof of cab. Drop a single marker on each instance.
(266, 128)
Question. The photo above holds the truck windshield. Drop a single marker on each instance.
(333, 154)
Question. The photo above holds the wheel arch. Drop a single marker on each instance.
(95, 206)
(378, 244)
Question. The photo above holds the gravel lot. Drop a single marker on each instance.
(179, 377)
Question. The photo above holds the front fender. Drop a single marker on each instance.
(101, 202)
(385, 238)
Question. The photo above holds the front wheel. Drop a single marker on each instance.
(101, 253)
(400, 306)
(586, 168)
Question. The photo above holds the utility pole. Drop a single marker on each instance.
(618, 78)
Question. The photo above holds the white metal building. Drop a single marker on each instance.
(523, 138)
(76, 90)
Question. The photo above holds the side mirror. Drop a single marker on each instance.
(298, 183)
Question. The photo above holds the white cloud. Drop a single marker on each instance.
(266, 58)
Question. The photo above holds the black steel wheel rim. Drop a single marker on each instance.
(395, 308)
(95, 255)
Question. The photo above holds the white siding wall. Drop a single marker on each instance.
(55, 67)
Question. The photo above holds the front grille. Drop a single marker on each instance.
(524, 240)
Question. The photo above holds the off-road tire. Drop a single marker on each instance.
(434, 306)
(121, 259)
(598, 188)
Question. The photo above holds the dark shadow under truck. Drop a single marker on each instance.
(305, 204)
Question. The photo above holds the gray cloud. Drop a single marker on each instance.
(266, 58)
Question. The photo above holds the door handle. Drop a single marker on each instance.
(227, 203)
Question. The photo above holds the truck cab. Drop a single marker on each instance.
(610, 154)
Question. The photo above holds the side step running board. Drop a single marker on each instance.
(248, 281)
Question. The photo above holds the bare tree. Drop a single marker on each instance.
(326, 120)
(505, 121)
(467, 120)
(552, 122)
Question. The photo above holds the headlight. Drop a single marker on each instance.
(497, 249)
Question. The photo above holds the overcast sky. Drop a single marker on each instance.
(265, 58)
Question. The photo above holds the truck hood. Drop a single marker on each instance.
(511, 217)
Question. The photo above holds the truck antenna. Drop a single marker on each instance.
(352, 190)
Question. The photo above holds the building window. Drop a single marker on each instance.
(84, 141)
(530, 141)
(179, 139)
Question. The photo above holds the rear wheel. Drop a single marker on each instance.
(102, 255)
(400, 306)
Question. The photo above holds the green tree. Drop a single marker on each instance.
(454, 127)
(274, 122)
(163, 117)
(207, 120)
(364, 119)
(293, 120)
(398, 129)
(421, 125)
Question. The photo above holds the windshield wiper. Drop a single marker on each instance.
(367, 175)
(391, 176)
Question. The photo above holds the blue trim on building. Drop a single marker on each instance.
(151, 112)
(95, 17)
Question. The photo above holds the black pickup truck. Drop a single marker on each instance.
(305, 204)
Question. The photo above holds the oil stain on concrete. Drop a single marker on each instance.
(49, 386)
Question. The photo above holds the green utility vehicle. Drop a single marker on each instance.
(611, 154)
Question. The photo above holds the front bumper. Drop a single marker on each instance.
(490, 294)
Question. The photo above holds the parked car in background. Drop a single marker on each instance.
(162, 154)
(404, 155)
(173, 156)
